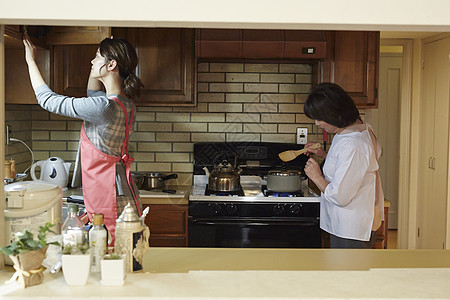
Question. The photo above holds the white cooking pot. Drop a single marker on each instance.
(53, 170)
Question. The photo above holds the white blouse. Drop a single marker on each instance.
(348, 203)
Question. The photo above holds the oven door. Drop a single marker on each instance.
(268, 232)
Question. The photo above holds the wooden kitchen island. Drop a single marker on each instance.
(197, 273)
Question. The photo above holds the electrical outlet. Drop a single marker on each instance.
(302, 136)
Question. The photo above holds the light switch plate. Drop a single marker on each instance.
(302, 136)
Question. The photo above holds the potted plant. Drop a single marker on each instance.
(76, 264)
(27, 254)
(113, 269)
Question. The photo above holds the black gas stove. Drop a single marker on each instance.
(253, 216)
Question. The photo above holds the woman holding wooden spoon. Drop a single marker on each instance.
(352, 199)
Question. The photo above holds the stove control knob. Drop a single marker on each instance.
(215, 208)
(294, 209)
(278, 209)
(231, 209)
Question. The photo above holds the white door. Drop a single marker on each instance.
(385, 121)
(433, 197)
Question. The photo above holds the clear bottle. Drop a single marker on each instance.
(98, 241)
(73, 228)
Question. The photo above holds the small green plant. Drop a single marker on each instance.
(112, 256)
(25, 241)
(69, 249)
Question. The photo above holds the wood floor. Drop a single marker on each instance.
(392, 239)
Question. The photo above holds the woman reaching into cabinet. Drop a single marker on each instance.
(108, 122)
(352, 201)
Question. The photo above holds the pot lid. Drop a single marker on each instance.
(284, 172)
(31, 186)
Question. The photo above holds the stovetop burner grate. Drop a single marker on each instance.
(239, 192)
(269, 193)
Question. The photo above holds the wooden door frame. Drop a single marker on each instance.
(406, 213)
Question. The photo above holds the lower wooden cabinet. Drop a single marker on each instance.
(168, 225)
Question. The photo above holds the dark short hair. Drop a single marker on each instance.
(329, 102)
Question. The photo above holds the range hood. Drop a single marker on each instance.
(260, 44)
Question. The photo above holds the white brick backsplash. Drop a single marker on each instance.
(301, 98)
(64, 135)
(295, 88)
(295, 68)
(203, 67)
(49, 145)
(183, 167)
(154, 167)
(207, 117)
(226, 67)
(145, 116)
(208, 137)
(154, 127)
(183, 147)
(277, 98)
(38, 115)
(277, 118)
(211, 97)
(302, 118)
(244, 98)
(226, 107)
(49, 125)
(281, 78)
(172, 157)
(290, 128)
(303, 78)
(241, 118)
(201, 107)
(226, 87)
(139, 136)
(211, 77)
(74, 125)
(190, 127)
(155, 147)
(260, 128)
(263, 107)
(243, 137)
(278, 138)
(172, 136)
(225, 127)
(291, 108)
(170, 117)
(202, 87)
(261, 68)
(40, 135)
(242, 77)
(143, 156)
(260, 87)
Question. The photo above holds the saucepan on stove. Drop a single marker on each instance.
(284, 180)
(151, 180)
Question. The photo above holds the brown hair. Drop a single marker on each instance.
(124, 54)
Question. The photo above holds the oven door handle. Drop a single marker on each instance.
(255, 222)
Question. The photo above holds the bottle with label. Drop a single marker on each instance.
(73, 233)
(98, 241)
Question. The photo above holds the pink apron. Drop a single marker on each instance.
(99, 177)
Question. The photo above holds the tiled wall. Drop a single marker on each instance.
(236, 102)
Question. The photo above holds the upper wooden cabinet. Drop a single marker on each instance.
(166, 65)
(71, 66)
(352, 62)
(260, 44)
(68, 35)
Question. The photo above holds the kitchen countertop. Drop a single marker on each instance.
(151, 197)
(199, 273)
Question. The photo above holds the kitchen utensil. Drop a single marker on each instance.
(292, 154)
(283, 180)
(224, 177)
(53, 170)
(156, 180)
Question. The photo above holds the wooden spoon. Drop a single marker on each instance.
(292, 154)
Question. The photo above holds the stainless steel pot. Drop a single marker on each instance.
(284, 180)
(151, 180)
